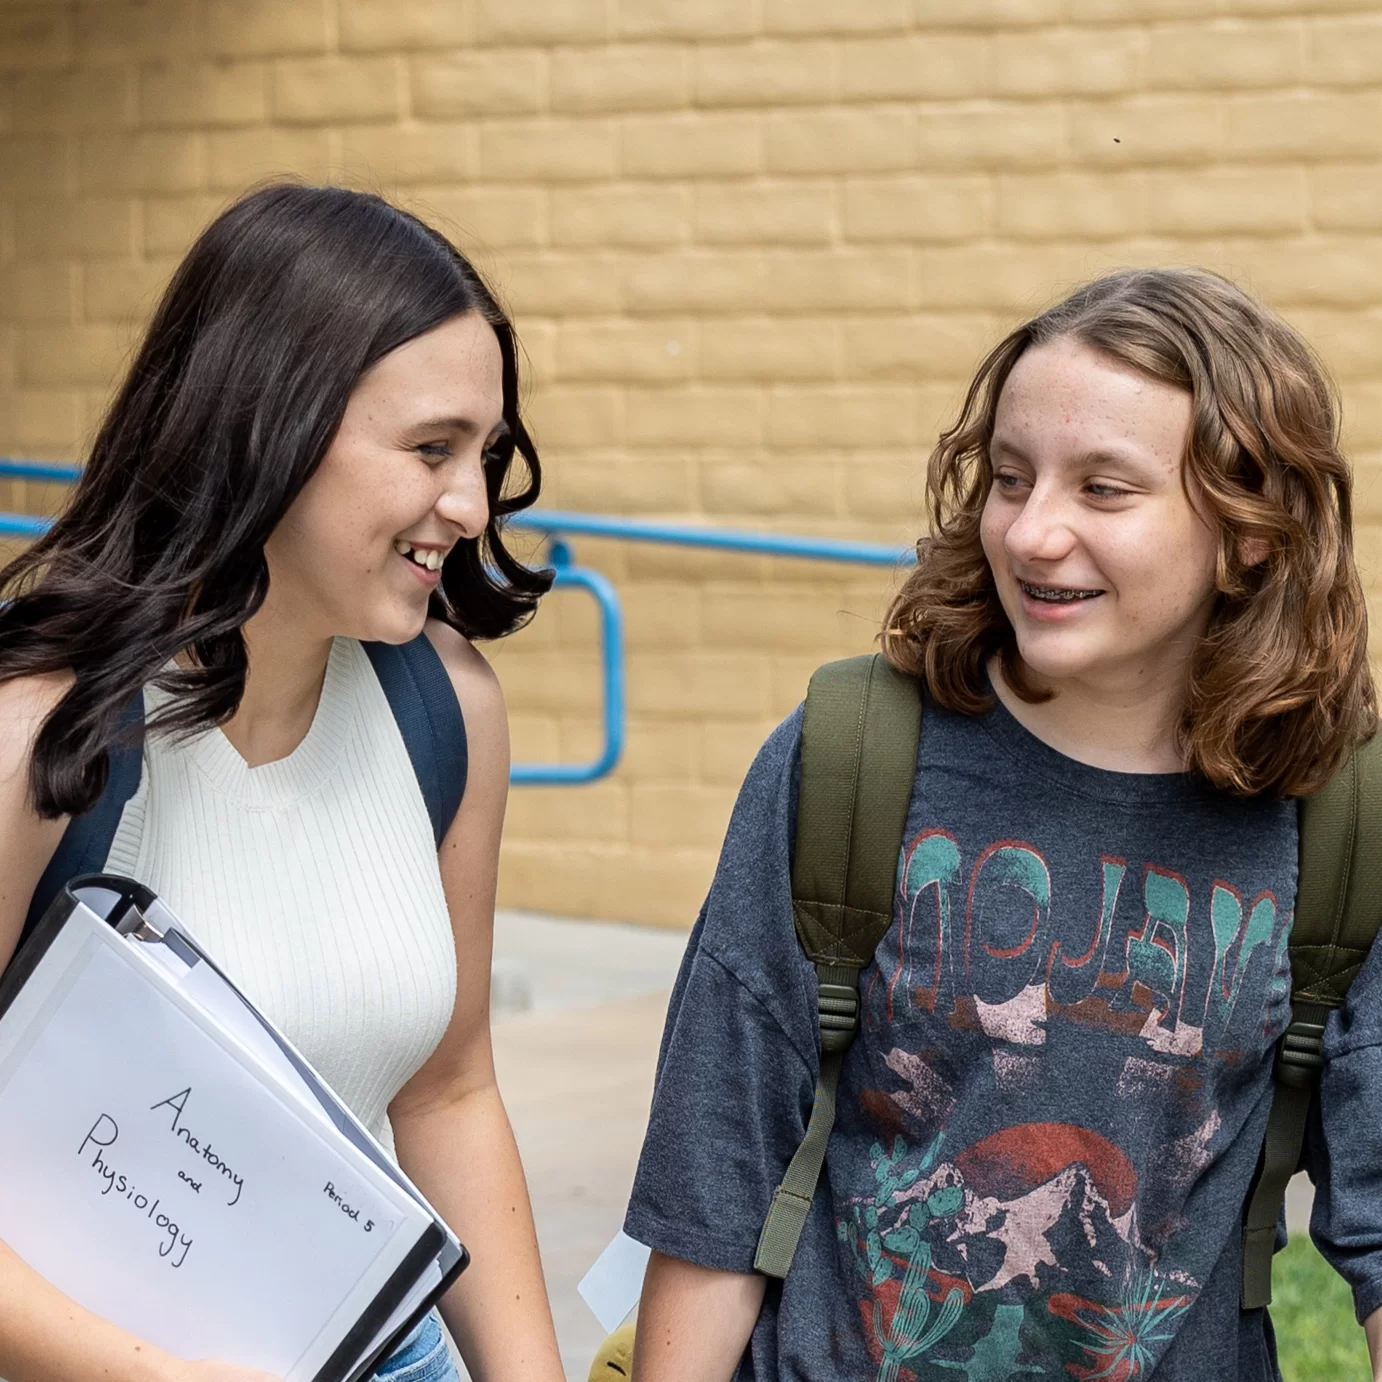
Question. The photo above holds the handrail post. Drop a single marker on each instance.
(568, 575)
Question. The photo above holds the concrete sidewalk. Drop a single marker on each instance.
(578, 1018)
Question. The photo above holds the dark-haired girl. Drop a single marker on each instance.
(1141, 634)
(310, 461)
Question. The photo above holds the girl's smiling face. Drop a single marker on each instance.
(1104, 568)
(360, 549)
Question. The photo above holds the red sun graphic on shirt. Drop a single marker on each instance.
(1014, 1161)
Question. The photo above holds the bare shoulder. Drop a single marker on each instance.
(27, 841)
(480, 696)
(25, 703)
(477, 688)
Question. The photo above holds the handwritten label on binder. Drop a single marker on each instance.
(104, 1134)
(198, 1146)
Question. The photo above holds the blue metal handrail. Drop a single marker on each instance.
(53, 471)
(569, 575)
(22, 525)
(556, 521)
(556, 526)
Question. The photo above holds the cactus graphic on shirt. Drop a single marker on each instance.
(880, 1232)
(910, 1333)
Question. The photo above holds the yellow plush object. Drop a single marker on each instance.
(615, 1358)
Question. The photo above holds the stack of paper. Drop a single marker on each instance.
(170, 1162)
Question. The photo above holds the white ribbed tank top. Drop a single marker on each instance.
(312, 881)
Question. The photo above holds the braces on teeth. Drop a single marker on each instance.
(1057, 595)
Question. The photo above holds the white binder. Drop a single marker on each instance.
(169, 1161)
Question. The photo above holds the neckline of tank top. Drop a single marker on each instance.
(311, 762)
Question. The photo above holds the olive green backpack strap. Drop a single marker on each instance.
(859, 741)
(1338, 911)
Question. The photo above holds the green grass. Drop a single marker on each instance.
(1317, 1338)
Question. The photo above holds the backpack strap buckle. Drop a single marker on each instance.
(1300, 1055)
(837, 1005)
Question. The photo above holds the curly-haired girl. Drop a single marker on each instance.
(1142, 637)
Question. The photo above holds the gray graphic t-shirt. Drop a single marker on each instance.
(1053, 1110)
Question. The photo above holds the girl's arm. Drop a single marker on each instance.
(1343, 1148)
(44, 1335)
(450, 1127)
(693, 1322)
(735, 1080)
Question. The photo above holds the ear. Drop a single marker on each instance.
(1252, 551)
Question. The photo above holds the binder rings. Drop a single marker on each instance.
(169, 1161)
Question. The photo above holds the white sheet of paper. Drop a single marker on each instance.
(200, 1199)
(208, 990)
(165, 958)
(215, 996)
(612, 1287)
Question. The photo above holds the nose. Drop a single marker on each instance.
(1042, 531)
(464, 502)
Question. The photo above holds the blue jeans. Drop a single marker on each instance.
(422, 1357)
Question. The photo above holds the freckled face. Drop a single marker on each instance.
(359, 551)
(1103, 567)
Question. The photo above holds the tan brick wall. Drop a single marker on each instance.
(753, 248)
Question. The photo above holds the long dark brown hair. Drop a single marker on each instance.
(1280, 687)
(232, 400)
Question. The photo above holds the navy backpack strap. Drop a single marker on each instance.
(424, 704)
(86, 841)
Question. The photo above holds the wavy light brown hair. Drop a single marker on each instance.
(1280, 687)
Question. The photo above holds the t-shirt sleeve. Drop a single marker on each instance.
(737, 1068)
(1344, 1147)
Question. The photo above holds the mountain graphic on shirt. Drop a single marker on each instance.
(1026, 1220)
(1039, 1230)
